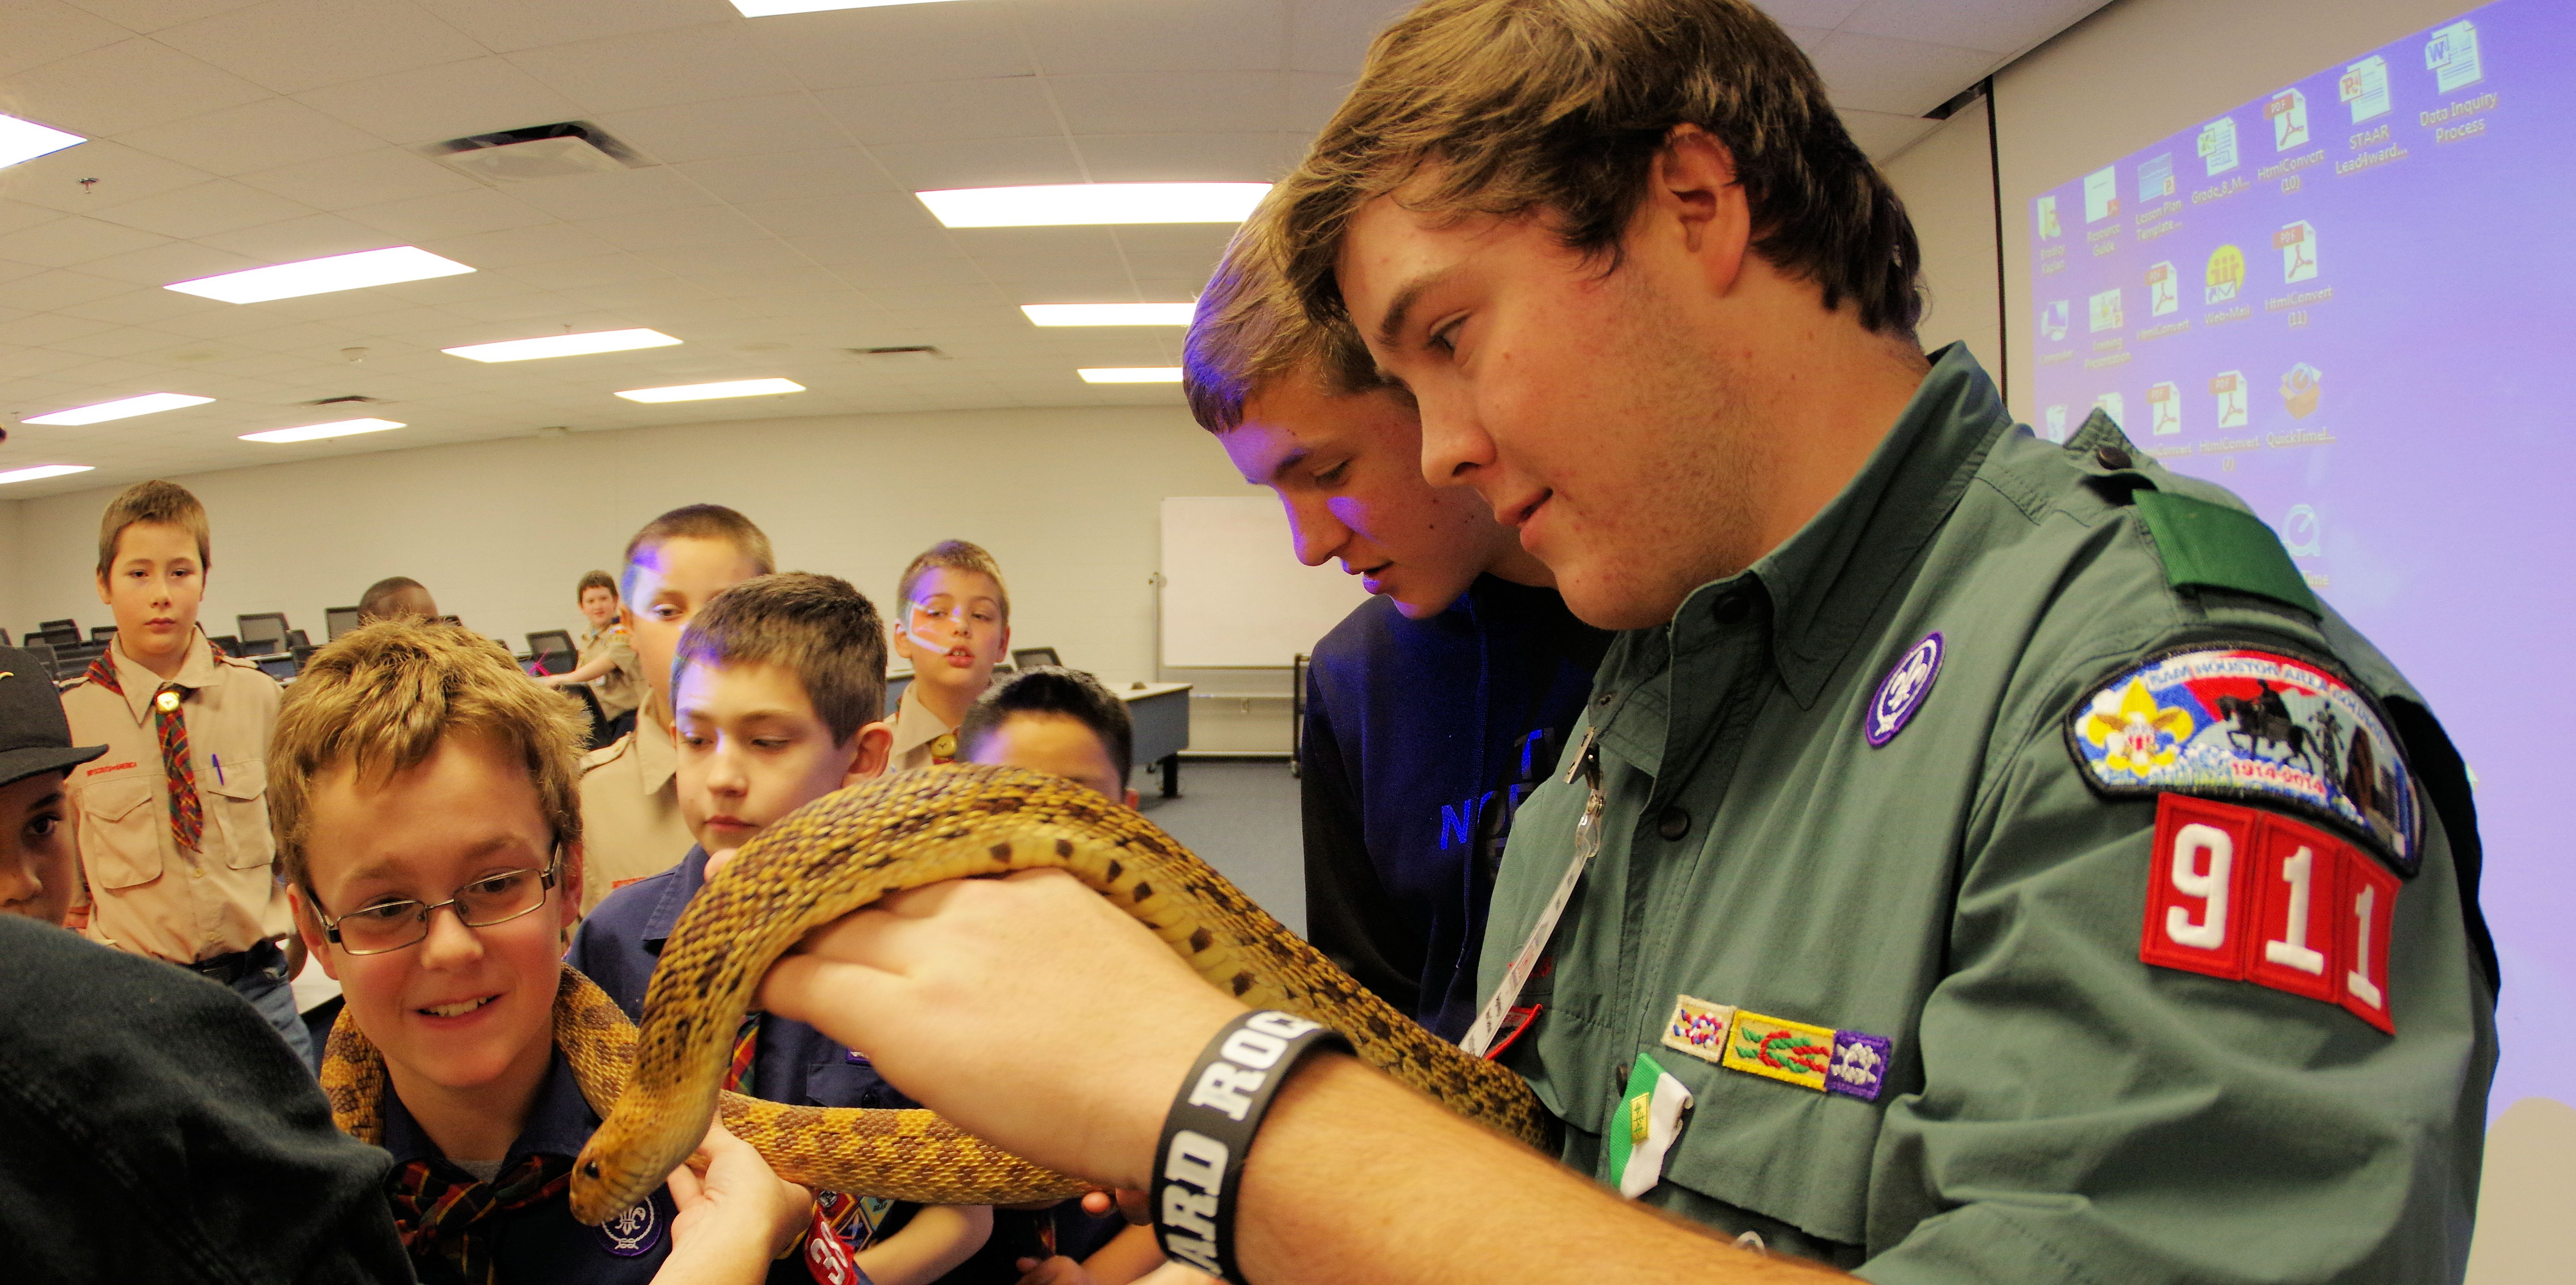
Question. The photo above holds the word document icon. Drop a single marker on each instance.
(2288, 111)
(2452, 56)
(2228, 388)
(2297, 243)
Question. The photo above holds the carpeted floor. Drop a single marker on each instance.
(1241, 817)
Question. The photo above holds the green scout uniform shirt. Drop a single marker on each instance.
(2055, 1109)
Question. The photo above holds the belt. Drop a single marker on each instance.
(230, 968)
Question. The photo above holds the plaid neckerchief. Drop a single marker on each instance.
(852, 1218)
(440, 1213)
(170, 720)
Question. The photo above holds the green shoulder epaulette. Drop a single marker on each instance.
(2213, 546)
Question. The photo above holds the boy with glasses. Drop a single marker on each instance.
(426, 815)
(954, 626)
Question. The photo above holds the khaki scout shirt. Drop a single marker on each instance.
(148, 895)
(2053, 1109)
(630, 810)
(622, 687)
(915, 727)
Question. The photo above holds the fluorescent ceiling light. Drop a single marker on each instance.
(563, 345)
(121, 409)
(25, 140)
(322, 276)
(1109, 314)
(702, 392)
(1066, 203)
(767, 8)
(1131, 374)
(316, 432)
(41, 472)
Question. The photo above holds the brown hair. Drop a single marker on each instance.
(819, 628)
(596, 580)
(1251, 330)
(700, 522)
(377, 602)
(1504, 107)
(380, 698)
(154, 501)
(953, 555)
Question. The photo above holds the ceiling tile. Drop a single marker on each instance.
(112, 340)
(560, 274)
(1158, 158)
(289, 46)
(1313, 97)
(254, 136)
(434, 104)
(22, 367)
(896, 45)
(829, 172)
(309, 237)
(208, 208)
(943, 111)
(1166, 102)
(1332, 35)
(54, 182)
(765, 254)
(1821, 14)
(49, 329)
(1900, 77)
(141, 307)
(1882, 135)
(366, 178)
(984, 163)
(827, 216)
(1077, 36)
(1993, 26)
(64, 242)
(127, 85)
(449, 214)
(708, 62)
(789, 122)
(514, 247)
(172, 261)
(504, 26)
(41, 31)
(153, 15)
(667, 229)
(590, 196)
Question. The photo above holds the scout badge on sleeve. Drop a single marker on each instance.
(2250, 726)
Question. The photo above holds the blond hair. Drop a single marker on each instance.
(154, 501)
(382, 696)
(1560, 107)
(1251, 330)
(952, 555)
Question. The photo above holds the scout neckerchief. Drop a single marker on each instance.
(1587, 844)
(187, 811)
(443, 1216)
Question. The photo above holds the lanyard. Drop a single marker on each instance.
(1587, 844)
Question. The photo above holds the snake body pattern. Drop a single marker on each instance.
(845, 851)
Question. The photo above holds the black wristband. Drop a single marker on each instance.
(1198, 1167)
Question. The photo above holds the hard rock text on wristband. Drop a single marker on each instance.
(1198, 1168)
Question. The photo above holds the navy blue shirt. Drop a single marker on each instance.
(543, 1242)
(1421, 739)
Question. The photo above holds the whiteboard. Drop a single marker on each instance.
(1234, 594)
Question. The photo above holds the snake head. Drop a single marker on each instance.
(622, 1164)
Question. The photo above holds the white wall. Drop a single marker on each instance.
(500, 530)
(1947, 184)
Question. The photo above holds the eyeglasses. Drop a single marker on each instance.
(393, 925)
(964, 617)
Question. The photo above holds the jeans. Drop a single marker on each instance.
(268, 990)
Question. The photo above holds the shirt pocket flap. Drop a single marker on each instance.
(1781, 1150)
(113, 801)
(120, 837)
(238, 781)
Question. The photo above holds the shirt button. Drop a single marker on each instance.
(2112, 457)
(1603, 699)
(1673, 824)
(1731, 610)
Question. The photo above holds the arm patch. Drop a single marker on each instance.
(2252, 726)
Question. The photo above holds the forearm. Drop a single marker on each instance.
(728, 1252)
(587, 671)
(1130, 1254)
(937, 1239)
(1355, 1177)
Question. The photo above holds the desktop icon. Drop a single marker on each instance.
(2218, 145)
(2301, 533)
(2288, 111)
(2164, 409)
(2101, 194)
(2297, 243)
(2164, 290)
(2365, 88)
(2107, 313)
(2452, 56)
(2109, 404)
(2301, 386)
(2055, 429)
(2229, 389)
(2225, 275)
(2052, 320)
(2155, 179)
(2048, 226)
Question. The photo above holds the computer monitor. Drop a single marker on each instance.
(262, 634)
(227, 644)
(337, 621)
(553, 649)
(101, 633)
(1031, 657)
(280, 667)
(57, 626)
(66, 636)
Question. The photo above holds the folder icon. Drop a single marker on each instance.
(2048, 218)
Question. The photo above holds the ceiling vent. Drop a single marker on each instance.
(907, 353)
(351, 399)
(539, 151)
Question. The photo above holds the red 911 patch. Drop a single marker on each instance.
(2246, 895)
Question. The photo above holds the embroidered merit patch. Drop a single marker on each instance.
(1698, 1028)
(1859, 1068)
(2244, 895)
(2257, 727)
(1791, 1052)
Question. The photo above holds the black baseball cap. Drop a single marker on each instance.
(34, 735)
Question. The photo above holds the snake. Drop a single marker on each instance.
(845, 851)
